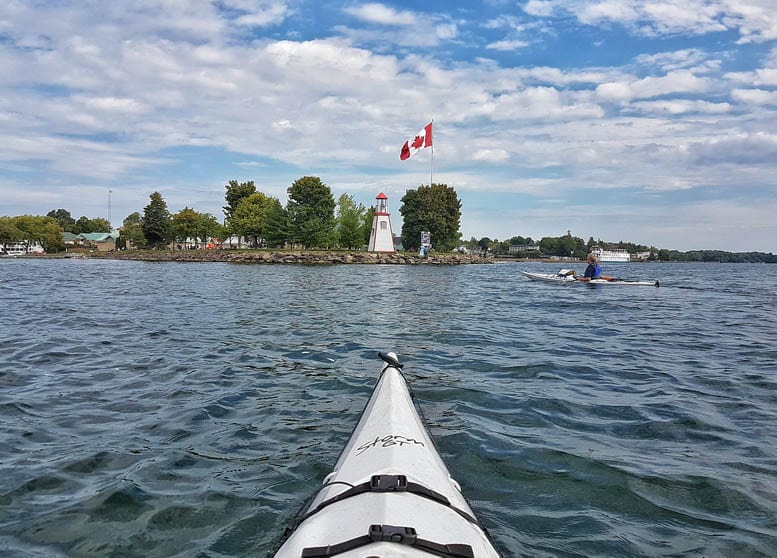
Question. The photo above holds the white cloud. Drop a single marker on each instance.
(682, 106)
(614, 10)
(508, 45)
(491, 155)
(446, 31)
(381, 14)
(539, 8)
(563, 78)
(755, 20)
(765, 77)
(113, 104)
(673, 82)
(758, 78)
(755, 96)
(673, 60)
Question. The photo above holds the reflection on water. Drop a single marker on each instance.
(177, 409)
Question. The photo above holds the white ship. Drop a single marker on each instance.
(617, 255)
(15, 249)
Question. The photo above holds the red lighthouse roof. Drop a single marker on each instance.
(381, 196)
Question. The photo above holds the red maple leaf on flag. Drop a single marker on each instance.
(420, 141)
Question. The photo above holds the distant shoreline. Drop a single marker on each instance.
(319, 257)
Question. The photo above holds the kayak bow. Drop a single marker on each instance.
(390, 493)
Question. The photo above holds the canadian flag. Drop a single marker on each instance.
(421, 140)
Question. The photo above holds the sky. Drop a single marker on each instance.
(653, 122)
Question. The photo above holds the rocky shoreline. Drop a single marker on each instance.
(293, 257)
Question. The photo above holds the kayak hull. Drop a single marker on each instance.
(389, 477)
(569, 279)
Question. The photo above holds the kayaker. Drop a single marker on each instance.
(593, 271)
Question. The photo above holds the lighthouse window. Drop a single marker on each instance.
(383, 225)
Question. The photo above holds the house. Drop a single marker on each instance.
(236, 242)
(102, 242)
(70, 239)
(518, 248)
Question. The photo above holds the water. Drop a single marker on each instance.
(157, 410)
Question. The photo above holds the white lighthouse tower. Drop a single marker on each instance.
(381, 238)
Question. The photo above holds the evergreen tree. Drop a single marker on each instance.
(276, 224)
(156, 225)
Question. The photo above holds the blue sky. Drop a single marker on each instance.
(646, 121)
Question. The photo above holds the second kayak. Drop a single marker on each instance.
(568, 278)
(390, 493)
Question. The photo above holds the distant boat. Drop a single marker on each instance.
(617, 255)
(13, 250)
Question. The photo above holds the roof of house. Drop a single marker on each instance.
(97, 237)
(68, 236)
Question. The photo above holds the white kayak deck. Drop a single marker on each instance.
(390, 492)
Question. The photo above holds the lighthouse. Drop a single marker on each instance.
(381, 238)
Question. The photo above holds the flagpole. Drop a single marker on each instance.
(431, 162)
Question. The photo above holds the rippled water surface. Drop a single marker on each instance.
(158, 410)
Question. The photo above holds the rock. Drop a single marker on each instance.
(296, 257)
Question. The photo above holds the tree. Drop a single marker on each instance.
(63, 217)
(156, 224)
(83, 225)
(185, 225)
(208, 227)
(9, 232)
(189, 224)
(248, 219)
(563, 246)
(100, 224)
(434, 208)
(44, 230)
(369, 217)
(87, 225)
(276, 224)
(131, 234)
(350, 217)
(236, 192)
(311, 212)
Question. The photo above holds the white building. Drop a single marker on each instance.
(381, 237)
